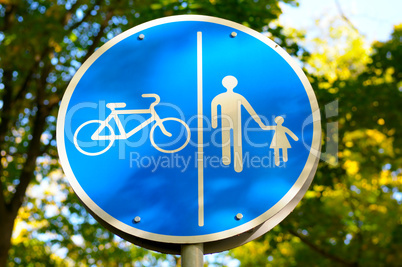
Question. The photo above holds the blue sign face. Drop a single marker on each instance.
(189, 129)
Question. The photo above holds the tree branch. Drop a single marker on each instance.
(359, 237)
(4, 125)
(30, 164)
(34, 150)
(321, 251)
(24, 86)
(3, 206)
(344, 16)
(85, 17)
(7, 103)
(69, 13)
(10, 8)
(96, 40)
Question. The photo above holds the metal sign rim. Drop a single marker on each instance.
(268, 219)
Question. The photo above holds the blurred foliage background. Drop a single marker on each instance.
(351, 215)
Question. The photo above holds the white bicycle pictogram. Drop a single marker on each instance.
(123, 135)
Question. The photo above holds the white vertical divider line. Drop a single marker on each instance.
(200, 155)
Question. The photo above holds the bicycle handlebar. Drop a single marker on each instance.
(157, 98)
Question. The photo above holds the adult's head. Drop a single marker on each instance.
(229, 82)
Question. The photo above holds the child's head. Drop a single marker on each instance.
(279, 120)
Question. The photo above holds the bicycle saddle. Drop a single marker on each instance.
(115, 105)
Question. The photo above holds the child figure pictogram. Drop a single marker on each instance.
(280, 140)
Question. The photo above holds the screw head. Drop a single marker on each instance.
(239, 216)
(141, 36)
(233, 34)
(137, 219)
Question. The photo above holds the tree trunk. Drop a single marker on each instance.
(6, 230)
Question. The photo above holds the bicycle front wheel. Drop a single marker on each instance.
(92, 146)
(179, 139)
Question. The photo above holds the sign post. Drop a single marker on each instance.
(189, 135)
(192, 255)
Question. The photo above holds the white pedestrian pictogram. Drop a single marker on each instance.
(231, 104)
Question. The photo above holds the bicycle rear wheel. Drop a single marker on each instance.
(97, 143)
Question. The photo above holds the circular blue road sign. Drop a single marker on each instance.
(189, 129)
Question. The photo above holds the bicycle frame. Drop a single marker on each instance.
(123, 134)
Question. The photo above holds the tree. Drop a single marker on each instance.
(351, 214)
(43, 43)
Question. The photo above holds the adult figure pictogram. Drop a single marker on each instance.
(231, 104)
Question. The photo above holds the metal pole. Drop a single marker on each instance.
(192, 255)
